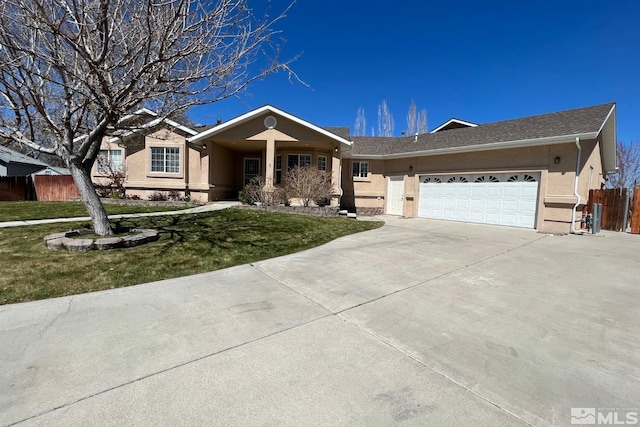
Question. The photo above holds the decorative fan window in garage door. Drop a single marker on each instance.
(487, 178)
(457, 179)
(503, 199)
(433, 179)
(521, 178)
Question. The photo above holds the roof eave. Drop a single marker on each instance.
(151, 124)
(483, 147)
(609, 142)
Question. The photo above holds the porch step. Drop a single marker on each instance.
(343, 212)
(352, 215)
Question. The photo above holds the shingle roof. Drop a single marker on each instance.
(342, 132)
(580, 121)
(9, 156)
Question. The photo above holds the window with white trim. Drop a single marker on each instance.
(360, 169)
(322, 163)
(165, 159)
(301, 160)
(109, 161)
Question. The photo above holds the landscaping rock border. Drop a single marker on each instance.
(72, 240)
(300, 210)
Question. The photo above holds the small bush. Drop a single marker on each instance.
(308, 184)
(158, 196)
(246, 196)
(255, 192)
(174, 195)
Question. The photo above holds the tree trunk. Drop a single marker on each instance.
(91, 200)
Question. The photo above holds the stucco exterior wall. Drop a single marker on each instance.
(251, 139)
(556, 198)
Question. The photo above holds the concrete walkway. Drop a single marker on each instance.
(417, 323)
(204, 208)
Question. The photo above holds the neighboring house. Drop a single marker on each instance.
(13, 163)
(54, 170)
(531, 172)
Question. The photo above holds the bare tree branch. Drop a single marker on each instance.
(412, 117)
(385, 120)
(360, 127)
(628, 161)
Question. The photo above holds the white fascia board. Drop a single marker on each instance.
(255, 113)
(482, 147)
(609, 145)
(462, 122)
(152, 124)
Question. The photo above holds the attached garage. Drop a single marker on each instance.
(503, 199)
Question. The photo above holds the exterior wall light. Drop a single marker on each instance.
(335, 149)
(204, 146)
(556, 160)
(410, 168)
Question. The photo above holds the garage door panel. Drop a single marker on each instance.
(503, 199)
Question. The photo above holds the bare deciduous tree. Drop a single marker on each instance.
(422, 122)
(361, 123)
(70, 70)
(628, 162)
(385, 120)
(412, 117)
(309, 184)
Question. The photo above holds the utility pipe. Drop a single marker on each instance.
(575, 188)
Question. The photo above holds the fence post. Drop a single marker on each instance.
(625, 214)
(597, 218)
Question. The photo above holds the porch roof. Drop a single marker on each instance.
(258, 112)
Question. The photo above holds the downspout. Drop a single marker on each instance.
(575, 188)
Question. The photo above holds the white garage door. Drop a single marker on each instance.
(503, 199)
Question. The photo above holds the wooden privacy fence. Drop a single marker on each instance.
(613, 207)
(16, 188)
(55, 188)
(635, 212)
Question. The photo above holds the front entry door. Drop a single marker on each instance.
(395, 196)
(251, 169)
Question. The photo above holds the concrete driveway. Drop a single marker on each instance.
(418, 323)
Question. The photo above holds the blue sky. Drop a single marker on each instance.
(480, 61)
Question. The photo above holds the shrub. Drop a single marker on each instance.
(174, 195)
(308, 184)
(158, 196)
(256, 192)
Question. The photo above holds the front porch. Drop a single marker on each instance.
(267, 145)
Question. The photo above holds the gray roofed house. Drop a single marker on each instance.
(13, 163)
(533, 172)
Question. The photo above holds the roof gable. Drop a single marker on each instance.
(453, 123)
(152, 120)
(251, 115)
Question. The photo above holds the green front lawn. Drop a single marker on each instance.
(23, 211)
(189, 244)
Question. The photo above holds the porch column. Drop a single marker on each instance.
(270, 136)
(336, 176)
(270, 159)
